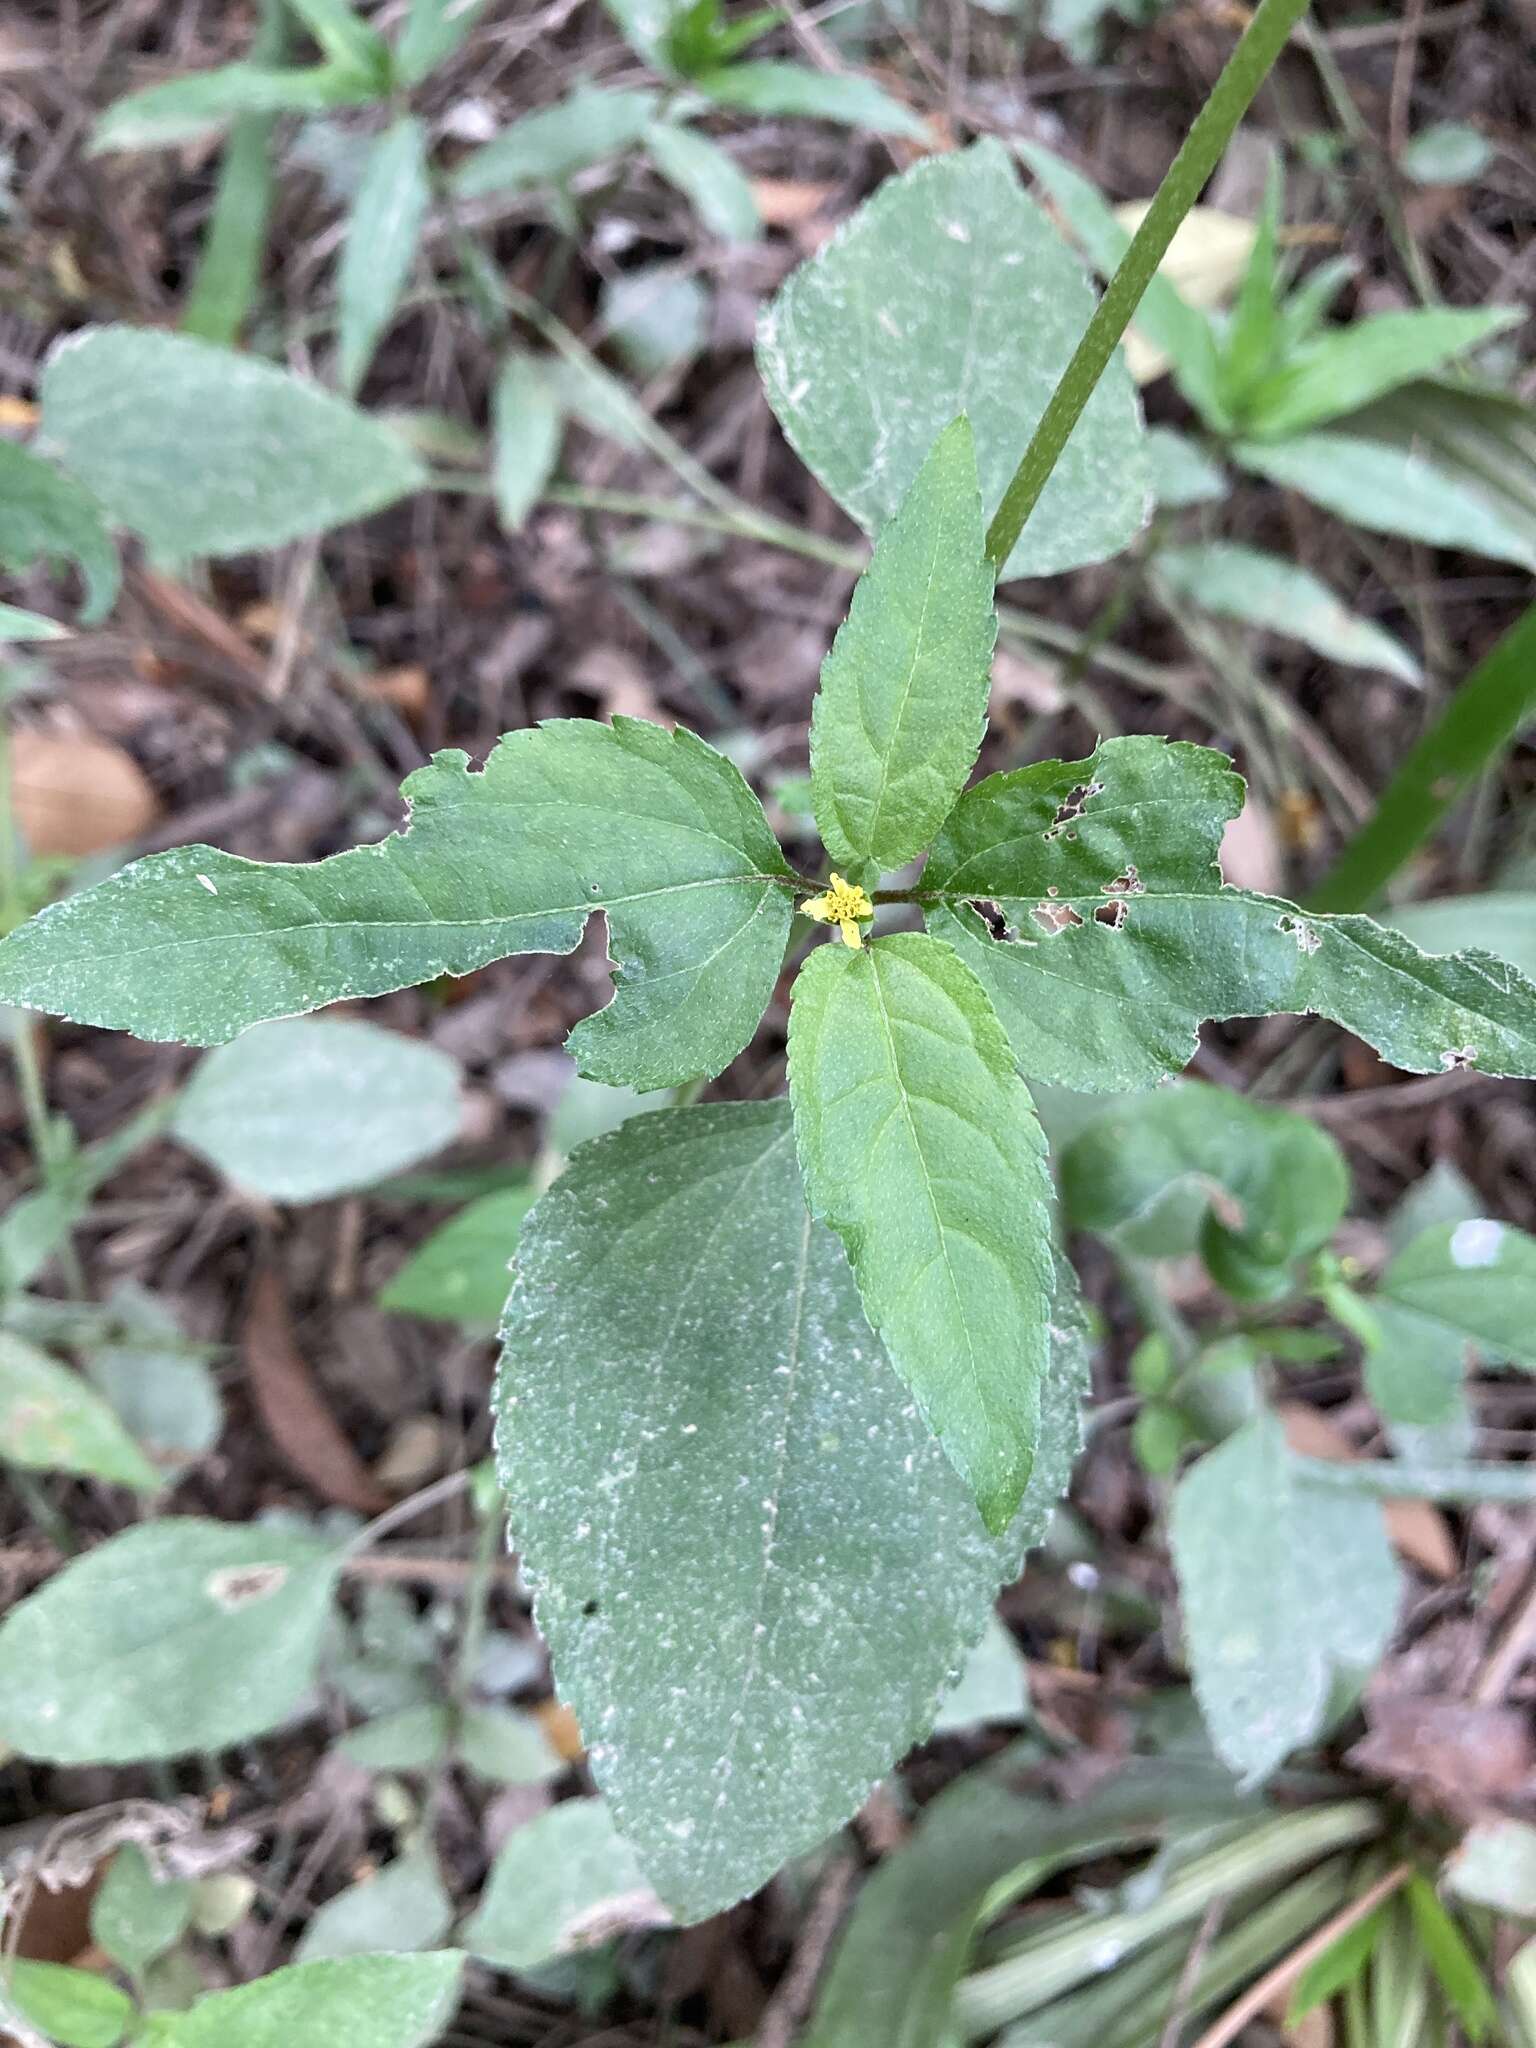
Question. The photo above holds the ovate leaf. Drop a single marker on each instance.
(897, 722)
(275, 456)
(795, 92)
(74, 2008)
(46, 516)
(463, 1272)
(920, 1147)
(1391, 490)
(565, 1881)
(309, 1108)
(552, 144)
(1344, 368)
(527, 424)
(382, 231)
(1495, 1865)
(950, 292)
(384, 2001)
(1285, 1590)
(174, 1636)
(1446, 153)
(136, 1915)
(708, 179)
(1261, 589)
(401, 1908)
(738, 1714)
(1121, 938)
(51, 1420)
(655, 829)
(1460, 1293)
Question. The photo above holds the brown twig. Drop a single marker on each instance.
(792, 1996)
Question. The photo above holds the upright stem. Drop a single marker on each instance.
(1246, 69)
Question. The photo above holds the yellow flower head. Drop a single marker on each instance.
(845, 905)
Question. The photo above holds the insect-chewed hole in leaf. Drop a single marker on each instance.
(992, 916)
(588, 1608)
(1127, 883)
(1307, 939)
(242, 1585)
(1458, 1056)
(1055, 917)
(1111, 914)
(1072, 806)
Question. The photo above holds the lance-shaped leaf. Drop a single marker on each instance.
(919, 1145)
(756, 1571)
(382, 2001)
(382, 231)
(655, 829)
(898, 719)
(1121, 939)
(1285, 1588)
(950, 292)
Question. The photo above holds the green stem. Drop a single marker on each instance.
(1475, 728)
(1248, 66)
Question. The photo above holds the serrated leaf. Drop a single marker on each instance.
(51, 1420)
(178, 1635)
(1285, 1589)
(307, 1108)
(737, 1715)
(386, 2001)
(920, 1146)
(708, 179)
(552, 144)
(563, 1882)
(382, 232)
(950, 292)
(898, 719)
(1344, 368)
(793, 91)
(277, 457)
(1122, 939)
(402, 1908)
(527, 426)
(45, 515)
(653, 828)
(1390, 490)
(434, 30)
(463, 1273)
(73, 2008)
(137, 1915)
(1268, 1181)
(188, 109)
(1264, 590)
(1460, 1292)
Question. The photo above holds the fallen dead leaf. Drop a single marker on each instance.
(408, 690)
(292, 1408)
(1467, 1760)
(75, 794)
(1419, 1532)
(786, 202)
(1206, 260)
(560, 1725)
(417, 1451)
(17, 412)
(1250, 858)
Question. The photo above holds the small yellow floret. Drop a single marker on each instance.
(845, 905)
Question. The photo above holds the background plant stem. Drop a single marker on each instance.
(1246, 69)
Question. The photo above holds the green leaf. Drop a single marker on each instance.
(16, 624)
(707, 178)
(351, 2002)
(401, 1908)
(653, 828)
(1255, 331)
(646, 26)
(1264, 590)
(1194, 1166)
(919, 1145)
(551, 145)
(463, 1272)
(75, 2008)
(656, 317)
(1343, 368)
(1457, 1970)
(1446, 153)
(993, 1684)
(1501, 922)
(277, 457)
(46, 516)
(897, 722)
(1285, 1589)
(1182, 473)
(313, 1107)
(527, 425)
(1390, 490)
(410, 1739)
(1460, 1291)
(228, 277)
(347, 39)
(507, 1747)
(137, 1915)
(950, 292)
(1340, 1963)
(51, 1420)
(793, 91)
(37, 1225)
(434, 30)
(1122, 939)
(1495, 1865)
(161, 1388)
(178, 1635)
(188, 109)
(382, 232)
(737, 1412)
(1453, 1481)
(562, 1880)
